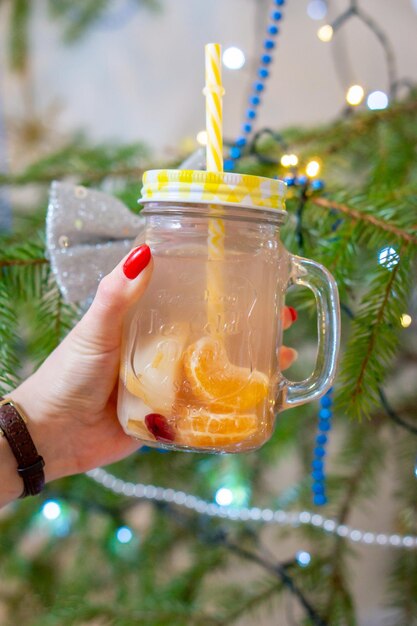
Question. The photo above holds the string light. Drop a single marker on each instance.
(355, 95)
(377, 100)
(303, 558)
(124, 534)
(325, 33)
(267, 516)
(312, 168)
(289, 160)
(388, 257)
(233, 58)
(317, 9)
(202, 137)
(51, 510)
(224, 496)
(405, 320)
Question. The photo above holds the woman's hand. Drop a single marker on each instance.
(71, 399)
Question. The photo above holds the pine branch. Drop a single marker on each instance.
(8, 340)
(250, 603)
(359, 383)
(86, 163)
(22, 262)
(24, 268)
(356, 215)
(374, 340)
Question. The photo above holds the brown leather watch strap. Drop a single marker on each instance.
(29, 463)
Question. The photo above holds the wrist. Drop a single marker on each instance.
(45, 430)
(12, 483)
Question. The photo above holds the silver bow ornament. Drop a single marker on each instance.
(87, 233)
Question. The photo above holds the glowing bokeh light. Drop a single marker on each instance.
(303, 558)
(388, 257)
(312, 168)
(124, 534)
(405, 320)
(317, 9)
(202, 137)
(51, 510)
(224, 496)
(233, 58)
(377, 100)
(325, 33)
(355, 95)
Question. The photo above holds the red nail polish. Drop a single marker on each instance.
(136, 262)
(293, 313)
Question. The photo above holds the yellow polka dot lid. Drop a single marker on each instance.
(201, 187)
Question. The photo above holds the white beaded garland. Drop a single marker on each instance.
(267, 516)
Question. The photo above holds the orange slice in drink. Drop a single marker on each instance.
(202, 429)
(217, 382)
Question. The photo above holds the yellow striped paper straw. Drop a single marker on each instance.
(214, 163)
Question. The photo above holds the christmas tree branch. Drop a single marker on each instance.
(354, 486)
(358, 387)
(22, 262)
(356, 215)
(250, 603)
(276, 569)
(27, 178)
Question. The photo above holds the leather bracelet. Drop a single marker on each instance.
(29, 463)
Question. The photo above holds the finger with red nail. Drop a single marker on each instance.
(287, 356)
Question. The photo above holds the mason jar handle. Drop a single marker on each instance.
(317, 278)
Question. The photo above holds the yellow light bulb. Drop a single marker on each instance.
(312, 168)
(355, 95)
(288, 160)
(405, 320)
(325, 33)
(202, 137)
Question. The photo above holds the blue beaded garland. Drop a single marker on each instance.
(302, 180)
(318, 487)
(258, 87)
(318, 466)
(317, 184)
(325, 402)
(317, 475)
(228, 165)
(319, 499)
(289, 180)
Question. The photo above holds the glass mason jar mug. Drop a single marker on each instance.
(200, 355)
